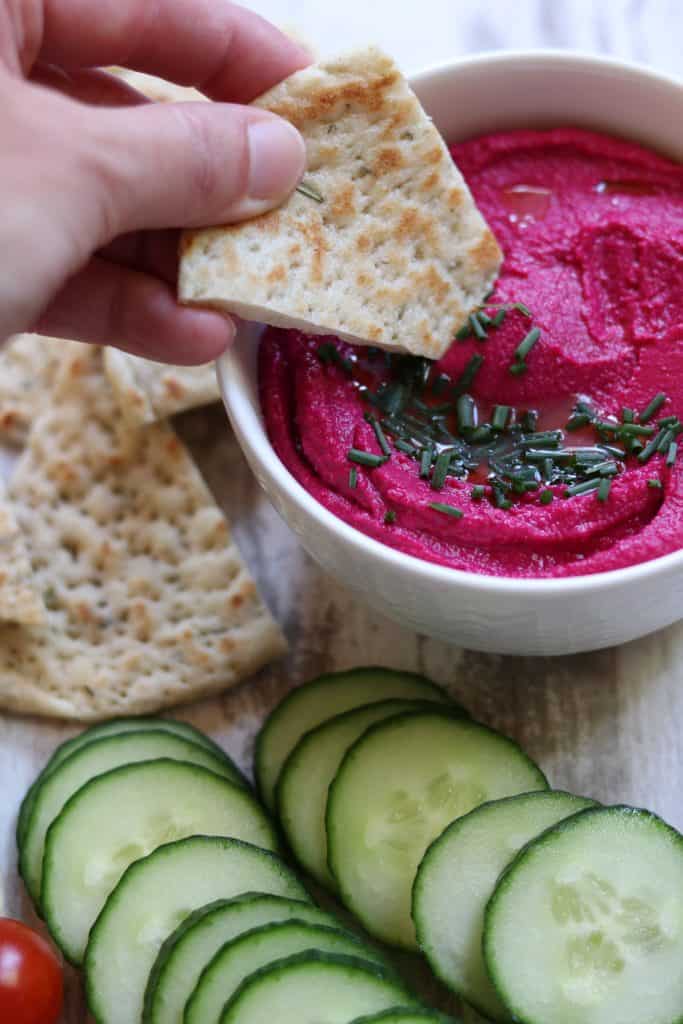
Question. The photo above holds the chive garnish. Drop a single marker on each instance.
(665, 436)
(477, 327)
(406, 447)
(545, 497)
(499, 499)
(652, 407)
(604, 488)
(499, 318)
(379, 434)
(464, 332)
(669, 421)
(517, 369)
(634, 430)
(484, 318)
(365, 458)
(627, 415)
(499, 417)
(482, 434)
(672, 453)
(583, 488)
(655, 484)
(607, 468)
(440, 471)
(529, 420)
(527, 343)
(353, 477)
(468, 374)
(522, 308)
(478, 492)
(465, 410)
(389, 517)
(426, 460)
(329, 353)
(448, 510)
(541, 438)
(442, 382)
(310, 191)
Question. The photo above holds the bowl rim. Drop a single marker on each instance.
(441, 575)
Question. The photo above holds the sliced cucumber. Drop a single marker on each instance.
(308, 773)
(322, 698)
(89, 761)
(457, 876)
(314, 988)
(397, 788)
(586, 924)
(153, 897)
(123, 815)
(405, 1015)
(243, 956)
(116, 727)
(196, 941)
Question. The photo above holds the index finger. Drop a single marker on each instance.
(226, 51)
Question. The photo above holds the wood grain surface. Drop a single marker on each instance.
(605, 724)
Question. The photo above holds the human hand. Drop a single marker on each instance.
(95, 180)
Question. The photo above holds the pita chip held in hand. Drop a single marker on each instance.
(381, 244)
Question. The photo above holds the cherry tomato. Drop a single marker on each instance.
(31, 982)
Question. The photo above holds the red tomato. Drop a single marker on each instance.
(31, 983)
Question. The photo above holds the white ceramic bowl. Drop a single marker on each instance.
(511, 616)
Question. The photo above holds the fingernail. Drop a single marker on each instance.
(277, 157)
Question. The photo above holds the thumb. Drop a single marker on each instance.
(187, 165)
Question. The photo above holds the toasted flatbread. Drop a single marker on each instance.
(147, 391)
(28, 362)
(157, 89)
(148, 600)
(20, 600)
(384, 246)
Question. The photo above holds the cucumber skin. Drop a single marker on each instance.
(444, 712)
(405, 1015)
(538, 842)
(165, 954)
(223, 841)
(437, 841)
(353, 963)
(48, 852)
(65, 749)
(321, 680)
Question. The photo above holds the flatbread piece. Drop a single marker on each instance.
(20, 600)
(28, 363)
(388, 246)
(149, 602)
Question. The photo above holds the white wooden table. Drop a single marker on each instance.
(604, 724)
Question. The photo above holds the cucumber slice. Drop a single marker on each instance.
(405, 1015)
(153, 897)
(89, 761)
(314, 988)
(397, 788)
(457, 876)
(196, 941)
(116, 727)
(307, 775)
(322, 698)
(243, 956)
(586, 924)
(119, 817)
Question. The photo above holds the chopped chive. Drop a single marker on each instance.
(477, 327)
(482, 434)
(499, 499)
(353, 478)
(583, 488)
(442, 382)
(540, 438)
(329, 353)
(310, 191)
(440, 471)
(604, 489)
(627, 415)
(379, 434)
(478, 492)
(365, 458)
(464, 332)
(545, 497)
(499, 417)
(529, 420)
(612, 450)
(668, 421)
(517, 369)
(665, 437)
(465, 409)
(527, 343)
(649, 450)
(548, 469)
(448, 510)
(405, 446)
(426, 460)
(389, 517)
(607, 468)
(499, 318)
(484, 318)
(655, 484)
(652, 407)
(672, 453)
(635, 430)
(468, 374)
(607, 427)
(522, 308)
(578, 420)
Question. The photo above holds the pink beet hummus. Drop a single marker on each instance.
(592, 231)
